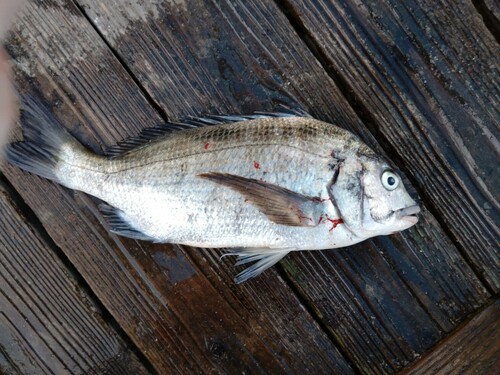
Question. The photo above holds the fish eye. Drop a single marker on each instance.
(390, 180)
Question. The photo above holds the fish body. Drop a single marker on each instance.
(264, 185)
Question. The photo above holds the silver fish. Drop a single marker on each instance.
(263, 185)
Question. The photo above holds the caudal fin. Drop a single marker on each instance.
(44, 138)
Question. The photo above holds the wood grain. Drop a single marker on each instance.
(426, 77)
(473, 349)
(376, 298)
(47, 323)
(227, 42)
(169, 308)
(179, 305)
(490, 12)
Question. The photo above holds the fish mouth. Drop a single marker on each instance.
(407, 214)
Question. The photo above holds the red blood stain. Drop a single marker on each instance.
(256, 165)
(206, 146)
(335, 222)
(299, 215)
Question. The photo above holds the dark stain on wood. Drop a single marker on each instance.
(473, 349)
(416, 83)
(176, 265)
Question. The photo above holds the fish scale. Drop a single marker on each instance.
(186, 194)
(264, 185)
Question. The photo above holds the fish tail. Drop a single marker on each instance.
(46, 143)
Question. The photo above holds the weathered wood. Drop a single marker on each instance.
(490, 11)
(198, 51)
(182, 320)
(167, 305)
(366, 295)
(425, 77)
(220, 57)
(473, 349)
(47, 323)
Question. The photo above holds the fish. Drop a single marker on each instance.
(261, 185)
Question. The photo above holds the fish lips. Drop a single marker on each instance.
(407, 214)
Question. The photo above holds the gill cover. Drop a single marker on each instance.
(347, 193)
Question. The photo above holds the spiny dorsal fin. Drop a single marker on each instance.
(280, 205)
(146, 136)
(151, 134)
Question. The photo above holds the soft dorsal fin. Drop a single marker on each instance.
(280, 205)
(161, 130)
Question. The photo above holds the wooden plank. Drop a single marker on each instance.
(472, 349)
(432, 285)
(182, 320)
(203, 55)
(48, 324)
(490, 11)
(62, 79)
(426, 77)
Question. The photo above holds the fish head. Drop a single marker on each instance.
(370, 197)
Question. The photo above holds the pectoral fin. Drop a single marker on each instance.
(280, 205)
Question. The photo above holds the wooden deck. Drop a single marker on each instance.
(417, 80)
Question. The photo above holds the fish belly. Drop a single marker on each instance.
(221, 218)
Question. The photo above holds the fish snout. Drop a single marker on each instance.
(408, 214)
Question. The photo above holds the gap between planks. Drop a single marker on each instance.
(32, 220)
(489, 11)
(365, 115)
(160, 111)
(139, 85)
(157, 107)
(465, 344)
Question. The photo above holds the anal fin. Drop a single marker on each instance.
(118, 224)
(264, 258)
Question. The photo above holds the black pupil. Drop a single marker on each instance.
(391, 181)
